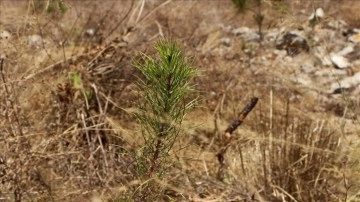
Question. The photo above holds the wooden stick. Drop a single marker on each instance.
(226, 138)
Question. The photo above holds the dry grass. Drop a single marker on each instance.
(65, 142)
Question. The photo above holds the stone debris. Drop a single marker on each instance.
(322, 57)
(90, 32)
(319, 13)
(354, 56)
(293, 43)
(337, 24)
(225, 41)
(5, 35)
(340, 90)
(35, 40)
(347, 83)
(346, 51)
(247, 34)
(339, 61)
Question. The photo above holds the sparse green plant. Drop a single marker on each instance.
(52, 7)
(259, 19)
(164, 89)
(77, 84)
(57, 5)
(240, 4)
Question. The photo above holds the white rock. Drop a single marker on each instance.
(241, 30)
(339, 61)
(347, 82)
(90, 32)
(356, 30)
(319, 13)
(225, 41)
(293, 42)
(346, 50)
(228, 29)
(331, 74)
(35, 40)
(5, 35)
(246, 33)
(337, 24)
(308, 68)
(288, 59)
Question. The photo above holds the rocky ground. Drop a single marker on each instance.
(299, 144)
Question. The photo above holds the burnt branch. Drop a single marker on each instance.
(226, 138)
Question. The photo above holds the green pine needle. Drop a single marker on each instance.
(164, 88)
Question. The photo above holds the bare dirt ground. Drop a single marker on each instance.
(57, 146)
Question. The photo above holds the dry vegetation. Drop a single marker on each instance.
(67, 131)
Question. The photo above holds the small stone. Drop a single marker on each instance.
(225, 41)
(5, 35)
(339, 61)
(354, 56)
(346, 83)
(241, 30)
(280, 53)
(327, 73)
(288, 59)
(90, 32)
(292, 43)
(319, 13)
(337, 24)
(246, 33)
(308, 68)
(227, 29)
(35, 40)
(346, 51)
(340, 90)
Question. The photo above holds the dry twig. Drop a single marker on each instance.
(226, 137)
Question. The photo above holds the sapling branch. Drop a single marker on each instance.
(165, 88)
